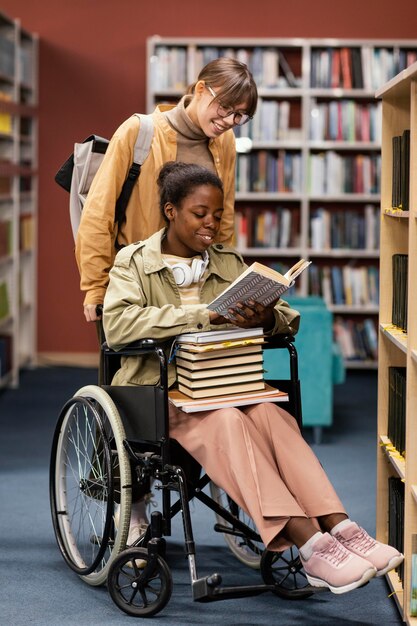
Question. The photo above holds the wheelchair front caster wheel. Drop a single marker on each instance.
(285, 572)
(140, 584)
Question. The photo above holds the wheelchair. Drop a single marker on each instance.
(110, 439)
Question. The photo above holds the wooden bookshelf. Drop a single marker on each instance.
(18, 198)
(295, 194)
(397, 348)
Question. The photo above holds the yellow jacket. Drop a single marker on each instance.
(95, 244)
(143, 301)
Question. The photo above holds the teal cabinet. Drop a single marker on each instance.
(319, 365)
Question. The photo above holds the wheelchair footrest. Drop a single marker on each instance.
(209, 588)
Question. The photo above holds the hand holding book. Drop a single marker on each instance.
(259, 284)
(249, 314)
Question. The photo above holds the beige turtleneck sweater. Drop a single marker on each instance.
(192, 143)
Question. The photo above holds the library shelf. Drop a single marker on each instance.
(398, 347)
(18, 198)
(311, 119)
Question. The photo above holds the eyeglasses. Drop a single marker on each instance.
(238, 118)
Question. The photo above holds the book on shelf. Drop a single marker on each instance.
(401, 171)
(268, 394)
(4, 301)
(413, 591)
(5, 354)
(259, 283)
(399, 290)
(396, 517)
(5, 238)
(397, 380)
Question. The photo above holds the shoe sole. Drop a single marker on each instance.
(395, 562)
(318, 582)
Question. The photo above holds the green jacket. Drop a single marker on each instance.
(143, 300)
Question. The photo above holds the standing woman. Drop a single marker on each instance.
(197, 130)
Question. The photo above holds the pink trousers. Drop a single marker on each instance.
(259, 457)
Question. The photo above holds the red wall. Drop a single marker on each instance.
(92, 77)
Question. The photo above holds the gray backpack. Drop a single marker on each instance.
(78, 171)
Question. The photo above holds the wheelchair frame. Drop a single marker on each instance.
(140, 571)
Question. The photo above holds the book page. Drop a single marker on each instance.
(297, 269)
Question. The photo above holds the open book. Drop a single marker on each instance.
(259, 283)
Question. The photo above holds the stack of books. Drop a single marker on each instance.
(221, 368)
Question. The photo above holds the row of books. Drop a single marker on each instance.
(331, 173)
(396, 517)
(397, 389)
(6, 347)
(345, 120)
(399, 290)
(271, 122)
(7, 60)
(269, 171)
(348, 229)
(347, 284)
(364, 67)
(5, 238)
(269, 228)
(269, 66)
(26, 235)
(357, 339)
(401, 171)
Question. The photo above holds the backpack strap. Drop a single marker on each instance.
(144, 139)
(140, 152)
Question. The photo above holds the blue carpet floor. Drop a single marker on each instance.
(36, 587)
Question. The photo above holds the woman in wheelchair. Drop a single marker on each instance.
(159, 288)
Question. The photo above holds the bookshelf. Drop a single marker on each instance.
(397, 347)
(308, 166)
(18, 198)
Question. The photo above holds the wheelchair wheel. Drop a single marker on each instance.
(285, 572)
(247, 551)
(90, 480)
(139, 584)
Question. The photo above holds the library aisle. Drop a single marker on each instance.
(53, 594)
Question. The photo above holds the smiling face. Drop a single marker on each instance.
(203, 111)
(194, 224)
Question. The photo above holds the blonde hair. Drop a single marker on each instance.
(233, 81)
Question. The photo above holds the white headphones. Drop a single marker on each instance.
(185, 275)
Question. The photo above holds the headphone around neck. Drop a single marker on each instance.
(185, 275)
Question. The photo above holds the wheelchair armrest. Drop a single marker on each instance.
(279, 341)
(135, 348)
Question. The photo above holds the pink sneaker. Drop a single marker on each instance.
(355, 539)
(334, 567)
